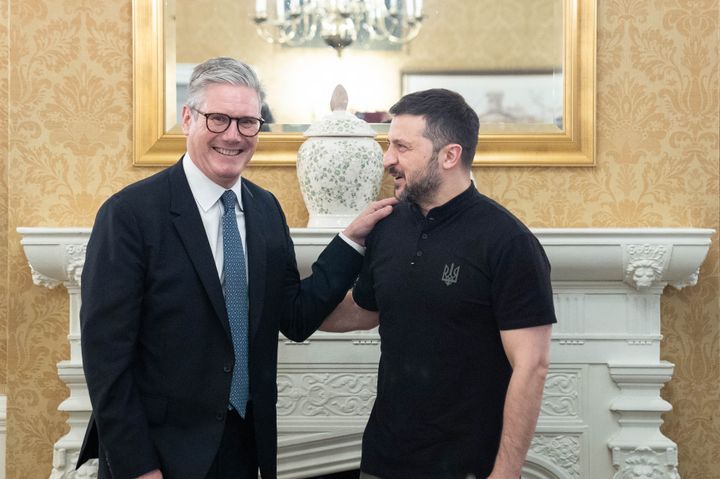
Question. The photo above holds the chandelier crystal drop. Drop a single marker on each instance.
(340, 23)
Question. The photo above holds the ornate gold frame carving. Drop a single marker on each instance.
(575, 146)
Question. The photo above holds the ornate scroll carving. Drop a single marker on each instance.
(340, 394)
(561, 394)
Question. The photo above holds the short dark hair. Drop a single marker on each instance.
(448, 119)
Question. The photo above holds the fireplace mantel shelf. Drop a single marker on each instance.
(601, 409)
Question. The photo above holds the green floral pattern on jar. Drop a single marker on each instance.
(339, 175)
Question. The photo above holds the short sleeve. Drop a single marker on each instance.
(521, 288)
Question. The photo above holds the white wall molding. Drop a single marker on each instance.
(639, 445)
(601, 408)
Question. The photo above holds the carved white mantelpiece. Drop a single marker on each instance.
(601, 410)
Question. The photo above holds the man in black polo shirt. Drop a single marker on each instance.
(461, 291)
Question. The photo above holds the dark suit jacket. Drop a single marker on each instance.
(156, 343)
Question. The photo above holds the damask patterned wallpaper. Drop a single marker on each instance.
(3, 193)
(66, 65)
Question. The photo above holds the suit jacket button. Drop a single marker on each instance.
(220, 416)
(227, 368)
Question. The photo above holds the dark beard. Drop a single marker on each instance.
(423, 188)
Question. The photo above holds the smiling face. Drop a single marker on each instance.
(412, 161)
(221, 156)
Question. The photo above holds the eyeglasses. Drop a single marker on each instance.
(220, 122)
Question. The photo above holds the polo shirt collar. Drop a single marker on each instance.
(451, 207)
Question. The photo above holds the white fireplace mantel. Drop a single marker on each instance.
(601, 409)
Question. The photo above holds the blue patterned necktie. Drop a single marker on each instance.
(236, 302)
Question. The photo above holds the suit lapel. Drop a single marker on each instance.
(189, 226)
(255, 239)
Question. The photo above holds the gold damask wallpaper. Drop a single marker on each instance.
(3, 194)
(65, 145)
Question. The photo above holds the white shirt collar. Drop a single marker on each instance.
(205, 191)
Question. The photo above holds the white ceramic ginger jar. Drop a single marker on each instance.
(339, 166)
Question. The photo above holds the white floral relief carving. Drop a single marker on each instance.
(689, 281)
(645, 463)
(42, 280)
(560, 397)
(326, 394)
(644, 264)
(75, 255)
(561, 450)
(64, 461)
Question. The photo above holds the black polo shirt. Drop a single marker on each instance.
(445, 285)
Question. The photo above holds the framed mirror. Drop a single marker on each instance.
(527, 66)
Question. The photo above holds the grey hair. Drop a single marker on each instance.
(221, 70)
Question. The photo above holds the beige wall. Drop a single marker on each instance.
(66, 127)
(3, 193)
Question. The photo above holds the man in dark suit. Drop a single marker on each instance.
(161, 348)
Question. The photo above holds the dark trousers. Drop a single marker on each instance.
(237, 456)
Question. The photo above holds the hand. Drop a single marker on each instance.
(366, 220)
(156, 474)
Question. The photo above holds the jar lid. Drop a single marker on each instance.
(340, 122)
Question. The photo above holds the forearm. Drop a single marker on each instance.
(522, 407)
(348, 316)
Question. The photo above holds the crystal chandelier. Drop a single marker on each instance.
(339, 23)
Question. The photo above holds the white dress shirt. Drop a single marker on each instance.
(207, 195)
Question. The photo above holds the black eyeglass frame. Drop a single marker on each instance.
(260, 121)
